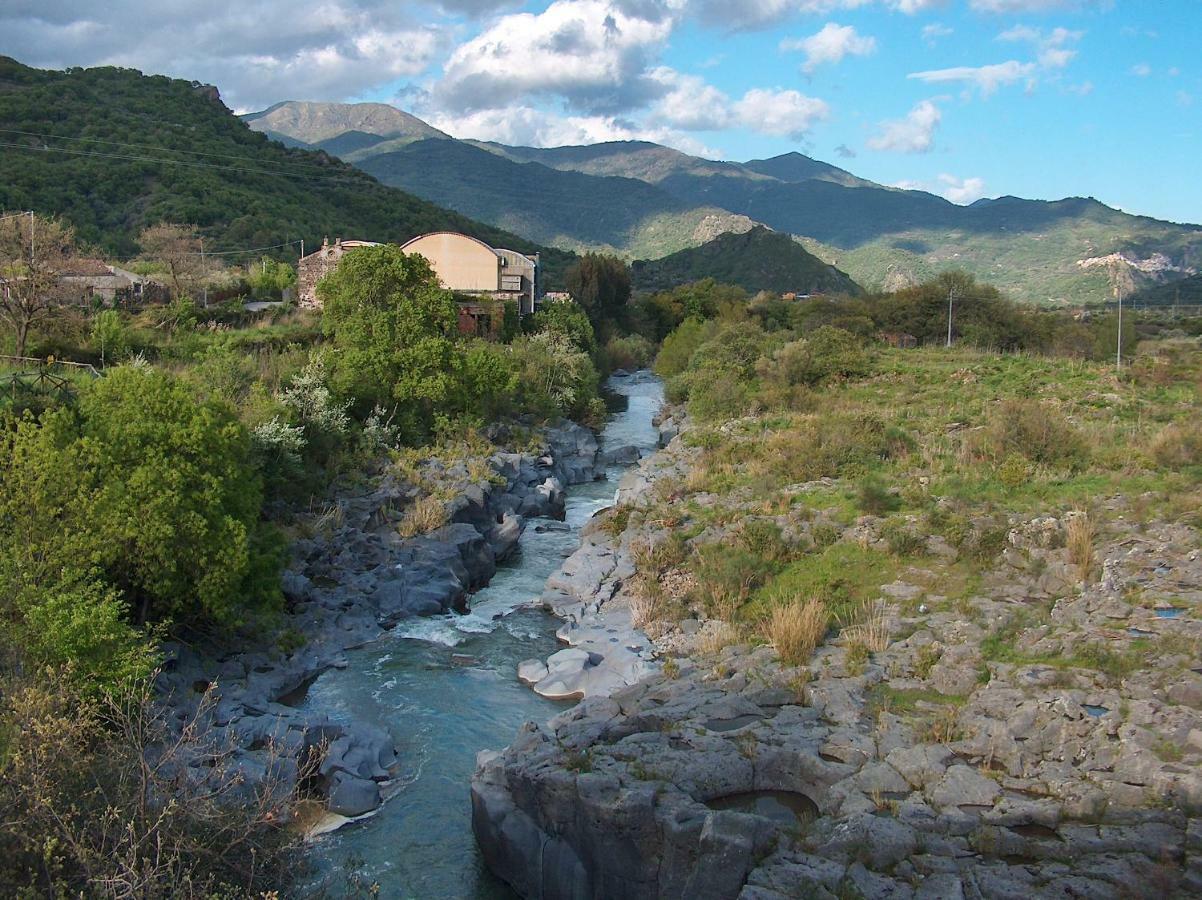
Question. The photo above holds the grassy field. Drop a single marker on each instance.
(918, 472)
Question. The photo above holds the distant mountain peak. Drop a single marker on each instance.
(312, 122)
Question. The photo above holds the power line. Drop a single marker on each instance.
(364, 178)
(159, 147)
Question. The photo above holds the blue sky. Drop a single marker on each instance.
(966, 98)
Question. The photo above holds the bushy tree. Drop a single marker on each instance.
(567, 318)
(555, 377)
(110, 336)
(394, 331)
(147, 488)
(178, 248)
(601, 285)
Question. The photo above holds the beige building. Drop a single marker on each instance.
(484, 278)
(469, 266)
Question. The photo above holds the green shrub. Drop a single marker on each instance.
(903, 540)
(632, 351)
(726, 578)
(763, 538)
(875, 499)
(824, 354)
(156, 491)
(1177, 446)
(1036, 432)
(678, 347)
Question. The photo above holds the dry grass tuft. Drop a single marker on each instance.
(796, 628)
(646, 605)
(1081, 534)
(872, 629)
(717, 638)
(426, 515)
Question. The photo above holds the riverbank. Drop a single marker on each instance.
(349, 581)
(997, 720)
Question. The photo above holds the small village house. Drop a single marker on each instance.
(85, 281)
(483, 278)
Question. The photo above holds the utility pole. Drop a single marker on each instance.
(1118, 351)
(31, 256)
(204, 281)
(952, 296)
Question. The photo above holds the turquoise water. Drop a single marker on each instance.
(445, 688)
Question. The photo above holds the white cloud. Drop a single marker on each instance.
(831, 45)
(690, 104)
(592, 54)
(911, 7)
(957, 190)
(750, 15)
(1032, 6)
(985, 78)
(529, 127)
(1185, 99)
(256, 51)
(780, 112)
(962, 190)
(913, 134)
(1141, 70)
(1052, 50)
(932, 33)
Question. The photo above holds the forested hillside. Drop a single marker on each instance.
(562, 208)
(760, 260)
(113, 151)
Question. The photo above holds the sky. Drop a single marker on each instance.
(965, 98)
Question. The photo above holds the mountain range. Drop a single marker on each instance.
(644, 200)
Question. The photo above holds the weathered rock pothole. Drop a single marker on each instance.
(788, 809)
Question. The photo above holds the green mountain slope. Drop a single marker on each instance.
(1184, 292)
(759, 260)
(113, 150)
(561, 208)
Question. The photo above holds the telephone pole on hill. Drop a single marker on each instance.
(952, 296)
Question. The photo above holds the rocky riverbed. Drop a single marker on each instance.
(1039, 736)
(348, 583)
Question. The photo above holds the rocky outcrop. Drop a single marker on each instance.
(931, 767)
(346, 584)
(623, 797)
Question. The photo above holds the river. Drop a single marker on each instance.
(446, 687)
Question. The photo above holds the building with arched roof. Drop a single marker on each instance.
(483, 279)
(469, 266)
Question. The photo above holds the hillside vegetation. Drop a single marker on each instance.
(758, 260)
(112, 151)
(562, 208)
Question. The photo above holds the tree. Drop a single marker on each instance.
(568, 319)
(34, 251)
(395, 332)
(180, 249)
(601, 285)
(148, 489)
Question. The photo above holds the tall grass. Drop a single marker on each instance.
(1080, 539)
(796, 628)
(426, 515)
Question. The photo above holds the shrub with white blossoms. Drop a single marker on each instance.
(310, 398)
(379, 432)
(280, 442)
